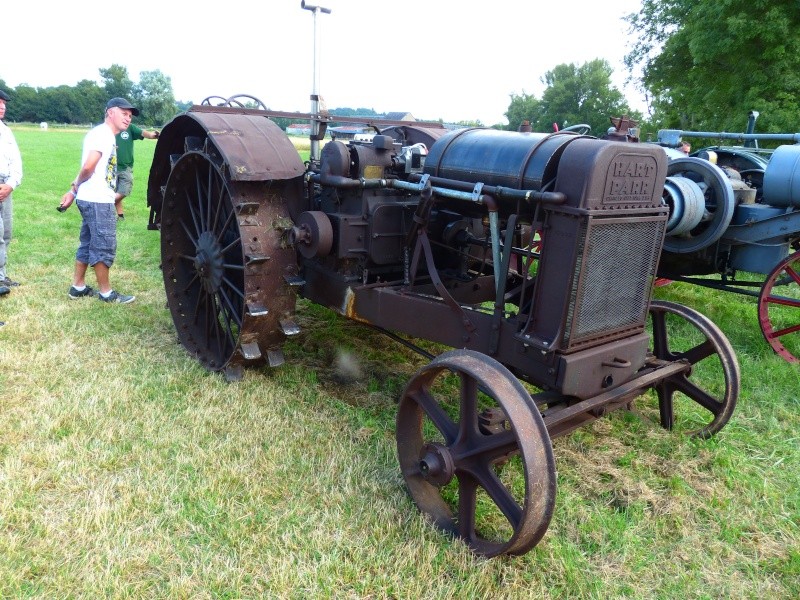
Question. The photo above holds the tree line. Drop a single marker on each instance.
(85, 102)
(702, 64)
(575, 94)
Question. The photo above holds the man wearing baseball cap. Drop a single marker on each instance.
(93, 190)
(122, 103)
(10, 178)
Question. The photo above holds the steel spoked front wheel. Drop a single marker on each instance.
(700, 400)
(475, 453)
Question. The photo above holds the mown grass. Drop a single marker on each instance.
(128, 471)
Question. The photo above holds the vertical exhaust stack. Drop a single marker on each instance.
(317, 133)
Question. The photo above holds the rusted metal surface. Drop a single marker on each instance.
(250, 146)
(600, 245)
(225, 264)
(462, 451)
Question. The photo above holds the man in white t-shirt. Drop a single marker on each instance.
(93, 190)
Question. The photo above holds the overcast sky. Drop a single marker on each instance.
(448, 59)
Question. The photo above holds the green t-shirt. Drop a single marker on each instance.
(125, 146)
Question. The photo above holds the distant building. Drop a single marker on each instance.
(363, 133)
(399, 116)
(348, 132)
(298, 129)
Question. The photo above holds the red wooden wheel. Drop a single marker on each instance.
(779, 308)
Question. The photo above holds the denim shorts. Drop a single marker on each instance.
(125, 181)
(98, 240)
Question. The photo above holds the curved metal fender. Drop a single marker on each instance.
(252, 147)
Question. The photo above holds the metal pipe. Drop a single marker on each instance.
(444, 192)
(494, 230)
(789, 137)
(499, 191)
(751, 127)
(315, 147)
(398, 184)
(675, 133)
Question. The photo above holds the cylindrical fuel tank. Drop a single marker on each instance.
(512, 159)
(782, 177)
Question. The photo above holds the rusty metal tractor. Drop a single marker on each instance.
(430, 234)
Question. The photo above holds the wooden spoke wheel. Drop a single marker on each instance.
(223, 265)
(475, 453)
(701, 400)
(779, 308)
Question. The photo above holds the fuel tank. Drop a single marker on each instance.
(510, 159)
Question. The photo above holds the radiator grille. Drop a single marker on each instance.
(612, 279)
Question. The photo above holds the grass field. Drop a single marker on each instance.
(127, 471)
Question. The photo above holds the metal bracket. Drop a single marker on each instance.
(476, 192)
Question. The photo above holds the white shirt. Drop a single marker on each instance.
(101, 186)
(10, 159)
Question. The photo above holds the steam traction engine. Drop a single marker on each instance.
(431, 234)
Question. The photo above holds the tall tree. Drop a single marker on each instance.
(60, 105)
(524, 107)
(92, 102)
(117, 83)
(155, 98)
(707, 64)
(575, 94)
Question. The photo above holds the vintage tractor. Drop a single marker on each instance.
(430, 234)
(734, 224)
(533, 256)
